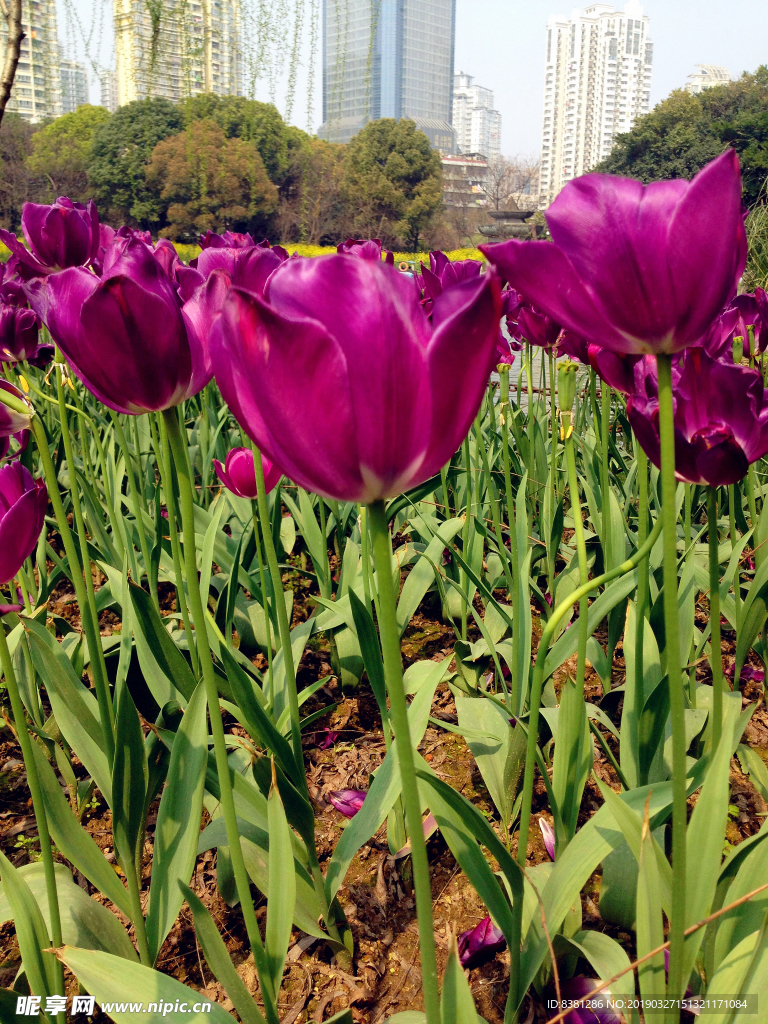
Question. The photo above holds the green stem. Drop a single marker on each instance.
(552, 554)
(93, 639)
(264, 594)
(668, 516)
(538, 676)
(20, 722)
(716, 657)
(137, 915)
(137, 502)
(643, 576)
(512, 528)
(393, 668)
(463, 578)
(734, 539)
(326, 588)
(163, 453)
(177, 443)
(605, 480)
(88, 613)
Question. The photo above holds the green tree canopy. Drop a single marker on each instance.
(206, 181)
(61, 153)
(121, 149)
(393, 181)
(252, 121)
(683, 132)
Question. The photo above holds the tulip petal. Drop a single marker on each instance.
(285, 381)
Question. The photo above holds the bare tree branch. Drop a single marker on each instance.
(12, 12)
(508, 178)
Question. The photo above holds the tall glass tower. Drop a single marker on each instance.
(388, 58)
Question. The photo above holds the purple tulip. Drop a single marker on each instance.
(21, 437)
(65, 234)
(365, 249)
(535, 327)
(721, 418)
(18, 334)
(480, 944)
(749, 673)
(636, 268)
(442, 273)
(11, 421)
(342, 380)
(246, 268)
(616, 368)
(601, 1009)
(750, 316)
(23, 501)
(5, 609)
(239, 476)
(325, 738)
(347, 801)
(229, 240)
(718, 341)
(124, 334)
(548, 835)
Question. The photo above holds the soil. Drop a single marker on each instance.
(377, 894)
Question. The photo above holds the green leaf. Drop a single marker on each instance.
(606, 956)
(281, 890)
(753, 615)
(140, 990)
(83, 921)
(498, 749)
(370, 650)
(456, 1003)
(164, 667)
(72, 839)
(129, 781)
(74, 707)
(31, 933)
(218, 959)
(178, 820)
(421, 576)
(650, 923)
(744, 970)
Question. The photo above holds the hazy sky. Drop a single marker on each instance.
(501, 43)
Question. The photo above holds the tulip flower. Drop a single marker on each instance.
(239, 476)
(601, 1009)
(12, 420)
(21, 437)
(347, 801)
(548, 835)
(635, 268)
(23, 501)
(5, 609)
(480, 944)
(718, 341)
(365, 249)
(535, 327)
(18, 334)
(246, 268)
(721, 418)
(749, 673)
(229, 240)
(340, 377)
(123, 334)
(325, 738)
(574, 346)
(750, 316)
(65, 234)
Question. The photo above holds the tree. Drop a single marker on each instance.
(205, 181)
(61, 153)
(684, 132)
(252, 121)
(392, 182)
(16, 183)
(509, 177)
(121, 149)
(311, 204)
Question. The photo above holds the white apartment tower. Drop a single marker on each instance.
(74, 83)
(108, 83)
(476, 123)
(597, 84)
(177, 48)
(36, 91)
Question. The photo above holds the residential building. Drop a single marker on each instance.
(465, 179)
(388, 58)
(74, 83)
(36, 92)
(108, 84)
(476, 124)
(177, 49)
(705, 76)
(597, 84)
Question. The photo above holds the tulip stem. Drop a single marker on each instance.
(20, 722)
(242, 881)
(106, 711)
(264, 594)
(643, 574)
(716, 657)
(513, 549)
(88, 611)
(732, 492)
(463, 578)
(137, 513)
(163, 453)
(393, 671)
(675, 982)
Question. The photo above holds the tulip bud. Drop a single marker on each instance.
(738, 349)
(15, 411)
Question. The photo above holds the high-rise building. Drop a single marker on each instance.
(108, 84)
(388, 58)
(597, 84)
(74, 83)
(36, 91)
(476, 124)
(177, 49)
(705, 76)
